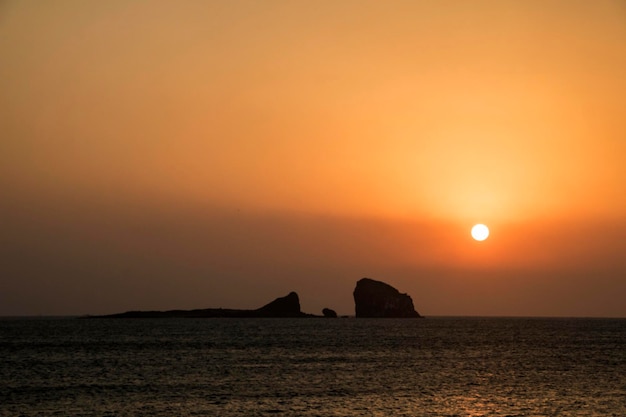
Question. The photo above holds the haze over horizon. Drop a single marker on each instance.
(177, 155)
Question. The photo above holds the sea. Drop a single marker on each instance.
(437, 366)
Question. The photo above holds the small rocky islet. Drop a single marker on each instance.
(372, 299)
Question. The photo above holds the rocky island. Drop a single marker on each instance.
(377, 299)
(287, 306)
(371, 298)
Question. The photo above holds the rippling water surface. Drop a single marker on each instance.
(313, 367)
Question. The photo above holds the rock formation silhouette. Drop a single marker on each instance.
(377, 299)
(287, 306)
(371, 299)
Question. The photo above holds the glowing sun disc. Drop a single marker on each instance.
(480, 232)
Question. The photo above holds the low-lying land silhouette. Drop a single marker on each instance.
(371, 298)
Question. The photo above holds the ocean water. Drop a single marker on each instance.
(313, 367)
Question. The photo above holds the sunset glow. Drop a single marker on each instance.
(170, 154)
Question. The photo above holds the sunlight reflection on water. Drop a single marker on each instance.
(314, 367)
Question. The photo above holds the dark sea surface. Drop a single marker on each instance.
(313, 367)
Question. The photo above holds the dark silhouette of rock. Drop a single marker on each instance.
(377, 299)
(287, 306)
(327, 312)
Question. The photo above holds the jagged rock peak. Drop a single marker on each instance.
(377, 299)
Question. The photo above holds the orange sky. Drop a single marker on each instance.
(167, 154)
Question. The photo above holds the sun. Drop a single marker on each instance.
(480, 232)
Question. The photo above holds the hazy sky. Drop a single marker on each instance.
(190, 154)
